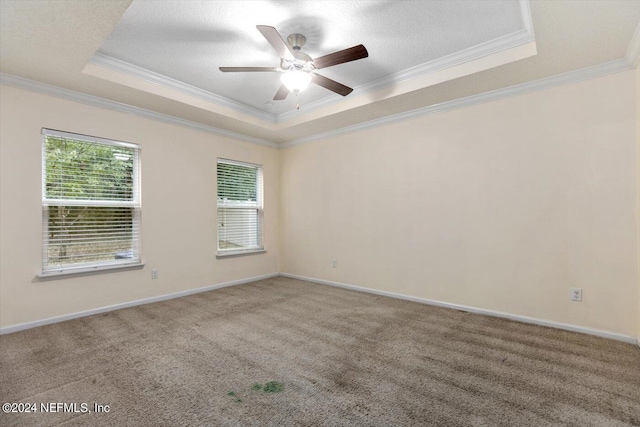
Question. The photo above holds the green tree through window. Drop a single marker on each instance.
(236, 182)
(91, 202)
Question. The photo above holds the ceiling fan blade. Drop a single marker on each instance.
(340, 57)
(247, 69)
(332, 85)
(281, 93)
(275, 39)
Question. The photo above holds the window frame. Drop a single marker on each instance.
(258, 206)
(48, 272)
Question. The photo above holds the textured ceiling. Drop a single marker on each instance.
(52, 41)
(188, 41)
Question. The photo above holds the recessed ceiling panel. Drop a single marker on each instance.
(188, 40)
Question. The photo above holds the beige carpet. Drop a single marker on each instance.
(344, 358)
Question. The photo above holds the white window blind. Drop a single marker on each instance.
(240, 209)
(90, 202)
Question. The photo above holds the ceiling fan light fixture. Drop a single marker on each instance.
(295, 80)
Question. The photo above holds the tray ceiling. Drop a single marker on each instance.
(188, 41)
(160, 59)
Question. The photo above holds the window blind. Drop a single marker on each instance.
(240, 210)
(90, 201)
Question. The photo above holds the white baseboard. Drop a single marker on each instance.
(50, 320)
(516, 317)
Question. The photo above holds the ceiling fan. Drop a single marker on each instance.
(299, 69)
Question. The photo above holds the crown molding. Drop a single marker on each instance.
(482, 50)
(126, 68)
(633, 51)
(95, 101)
(603, 69)
(525, 13)
(610, 67)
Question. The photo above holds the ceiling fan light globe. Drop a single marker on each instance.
(295, 80)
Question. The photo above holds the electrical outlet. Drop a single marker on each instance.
(335, 263)
(154, 274)
(576, 294)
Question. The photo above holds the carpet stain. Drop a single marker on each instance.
(273, 387)
(269, 387)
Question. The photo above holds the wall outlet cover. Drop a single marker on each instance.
(576, 294)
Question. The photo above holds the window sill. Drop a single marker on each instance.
(231, 254)
(53, 275)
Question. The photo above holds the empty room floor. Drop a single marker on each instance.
(287, 352)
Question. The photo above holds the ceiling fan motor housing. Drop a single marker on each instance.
(296, 41)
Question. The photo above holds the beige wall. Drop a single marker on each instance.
(178, 209)
(503, 206)
(638, 187)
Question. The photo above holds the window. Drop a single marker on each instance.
(90, 203)
(239, 208)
